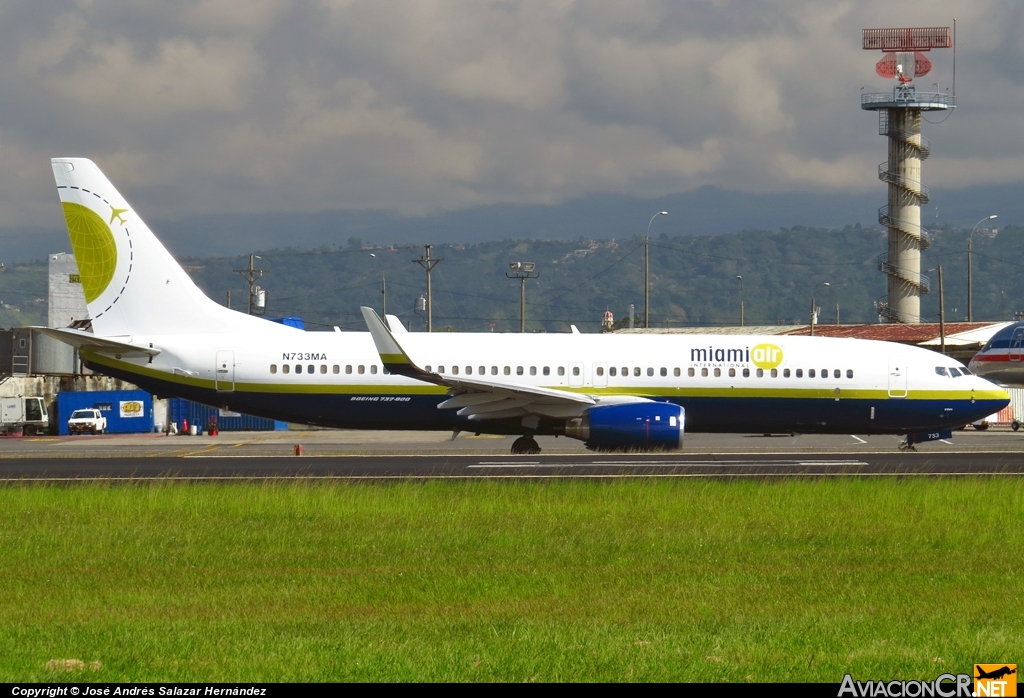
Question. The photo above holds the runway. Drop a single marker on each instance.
(354, 455)
(221, 468)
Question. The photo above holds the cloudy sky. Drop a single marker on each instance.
(274, 106)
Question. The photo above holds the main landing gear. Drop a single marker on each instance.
(525, 445)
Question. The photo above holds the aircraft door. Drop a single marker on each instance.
(600, 377)
(897, 376)
(1015, 344)
(224, 373)
(575, 374)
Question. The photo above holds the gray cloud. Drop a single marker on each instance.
(273, 106)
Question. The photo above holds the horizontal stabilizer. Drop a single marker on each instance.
(104, 345)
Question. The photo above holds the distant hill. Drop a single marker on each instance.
(693, 280)
(704, 211)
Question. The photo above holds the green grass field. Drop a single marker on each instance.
(690, 580)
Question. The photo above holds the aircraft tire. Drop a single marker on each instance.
(525, 445)
(1016, 425)
(981, 427)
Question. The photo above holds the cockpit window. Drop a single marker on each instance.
(966, 372)
(941, 370)
(954, 371)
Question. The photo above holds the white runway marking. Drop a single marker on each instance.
(860, 440)
(666, 464)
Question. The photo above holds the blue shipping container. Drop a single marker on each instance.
(126, 411)
(200, 415)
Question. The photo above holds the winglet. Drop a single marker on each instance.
(391, 353)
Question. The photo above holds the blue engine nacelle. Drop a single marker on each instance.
(642, 426)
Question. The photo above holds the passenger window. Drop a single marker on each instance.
(732, 372)
(760, 373)
(689, 372)
(311, 369)
(824, 373)
(575, 370)
(440, 369)
(704, 373)
(600, 371)
(799, 373)
(483, 370)
(650, 371)
(426, 368)
(941, 370)
(785, 373)
(455, 370)
(337, 368)
(285, 368)
(837, 373)
(849, 373)
(362, 369)
(323, 368)
(469, 370)
(636, 370)
(664, 371)
(718, 372)
(348, 368)
(533, 370)
(273, 368)
(508, 370)
(494, 370)
(384, 370)
(675, 372)
(373, 369)
(775, 373)
(746, 373)
(625, 371)
(810, 373)
(519, 370)
(612, 371)
(561, 370)
(298, 368)
(547, 371)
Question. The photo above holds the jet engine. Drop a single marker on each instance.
(640, 426)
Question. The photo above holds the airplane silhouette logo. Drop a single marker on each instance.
(116, 213)
(995, 680)
(995, 674)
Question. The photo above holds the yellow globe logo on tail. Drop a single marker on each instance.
(94, 248)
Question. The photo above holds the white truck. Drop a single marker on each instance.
(23, 415)
(87, 421)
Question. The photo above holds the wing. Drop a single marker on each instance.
(103, 345)
(481, 399)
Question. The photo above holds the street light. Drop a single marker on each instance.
(522, 271)
(741, 299)
(970, 239)
(647, 269)
(834, 297)
(383, 288)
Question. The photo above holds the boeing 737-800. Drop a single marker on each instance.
(153, 326)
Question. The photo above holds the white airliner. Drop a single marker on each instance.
(154, 327)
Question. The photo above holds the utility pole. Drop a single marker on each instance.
(428, 263)
(229, 300)
(814, 316)
(942, 314)
(740, 278)
(522, 271)
(250, 275)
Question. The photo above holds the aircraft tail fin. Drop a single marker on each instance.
(132, 284)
